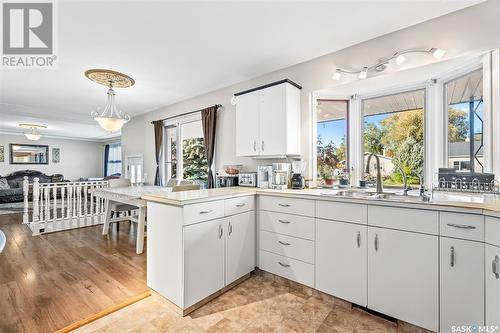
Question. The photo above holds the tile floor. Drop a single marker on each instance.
(263, 303)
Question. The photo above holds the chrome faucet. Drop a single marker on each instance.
(406, 188)
(379, 176)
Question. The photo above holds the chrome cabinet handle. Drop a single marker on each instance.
(240, 205)
(358, 239)
(282, 264)
(284, 243)
(262, 146)
(376, 242)
(205, 211)
(255, 146)
(230, 229)
(495, 264)
(284, 222)
(283, 205)
(461, 226)
(220, 231)
(452, 256)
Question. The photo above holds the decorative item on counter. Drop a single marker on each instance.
(233, 169)
(362, 183)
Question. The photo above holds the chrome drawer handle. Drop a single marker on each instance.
(283, 265)
(284, 243)
(283, 205)
(205, 211)
(220, 231)
(461, 226)
(240, 205)
(358, 239)
(452, 256)
(495, 264)
(376, 243)
(230, 229)
(284, 222)
(255, 146)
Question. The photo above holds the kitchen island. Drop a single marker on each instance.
(431, 264)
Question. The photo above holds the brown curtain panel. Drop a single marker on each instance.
(158, 126)
(209, 121)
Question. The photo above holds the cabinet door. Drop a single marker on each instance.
(403, 276)
(492, 276)
(240, 246)
(462, 283)
(341, 260)
(273, 121)
(203, 260)
(247, 124)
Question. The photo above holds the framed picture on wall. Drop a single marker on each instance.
(56, 155)
(2, 154)
(29, 154)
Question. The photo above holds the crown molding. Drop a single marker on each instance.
(59, 137)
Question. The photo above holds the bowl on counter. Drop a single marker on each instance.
(232, 169)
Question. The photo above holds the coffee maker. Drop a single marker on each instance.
(298, 167)
(281, 176)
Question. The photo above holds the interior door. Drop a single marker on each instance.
(341, 260)
(247, 124)
(203, 260)
(240, 246)
(492, 275)
(462, 283)
(273, 121)
(403, 276)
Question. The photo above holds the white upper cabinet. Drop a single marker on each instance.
(268, 121)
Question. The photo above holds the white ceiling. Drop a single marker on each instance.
(176, 50)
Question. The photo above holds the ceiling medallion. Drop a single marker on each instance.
(111, 119)
(33, 134)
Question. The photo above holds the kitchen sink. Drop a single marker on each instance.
(373, 196)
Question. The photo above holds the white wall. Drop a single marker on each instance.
(79, 159)
(471, 30)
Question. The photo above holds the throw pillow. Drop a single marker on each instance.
(4, 185)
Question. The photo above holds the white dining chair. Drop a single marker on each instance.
(3, 240)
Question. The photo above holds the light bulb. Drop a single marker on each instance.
(437, 53)
(400, 59)
(337, 75)
(363, 74)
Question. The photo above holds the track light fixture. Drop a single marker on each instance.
(381, 65)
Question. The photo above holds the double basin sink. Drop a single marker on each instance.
(359, 194)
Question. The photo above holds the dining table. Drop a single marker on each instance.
(129, 195)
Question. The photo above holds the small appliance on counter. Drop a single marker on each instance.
(264, 176)
(248, 179)
(298, 167)
(227, 181)
(281, 176)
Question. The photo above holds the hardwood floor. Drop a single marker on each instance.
(50, 281)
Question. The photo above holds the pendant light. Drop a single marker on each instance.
(32, 134)
(111, 119)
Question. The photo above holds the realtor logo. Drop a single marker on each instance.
(28, 34)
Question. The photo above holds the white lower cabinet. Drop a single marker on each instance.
(403, 276)
(462, 283)
(492, 278)
(203, 260)
(341, 260)
(240, 246)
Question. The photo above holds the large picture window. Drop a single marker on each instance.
(331, 126)
(187, 160)
(114, 161)
(464, 98)
(393, 129)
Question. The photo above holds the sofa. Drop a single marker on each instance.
(14, 192)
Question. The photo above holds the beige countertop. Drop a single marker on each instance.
(487, 203)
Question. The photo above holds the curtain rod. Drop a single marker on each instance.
(219, 106)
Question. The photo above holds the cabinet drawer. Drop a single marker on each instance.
(287, 224)
(466, 226)
(341, 211)
(417, 220)
(492, 231)
(289, 268)
(203, 211)
(287, 246)
(287, 205)
(239, 205)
